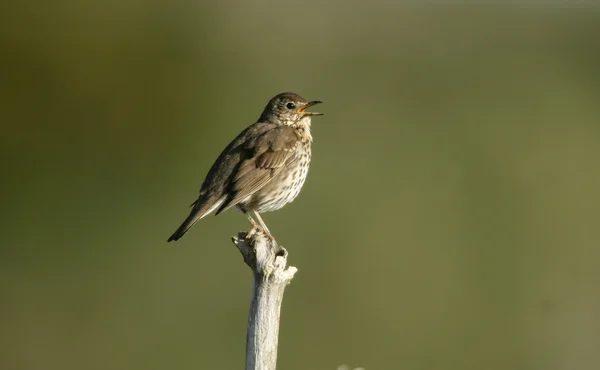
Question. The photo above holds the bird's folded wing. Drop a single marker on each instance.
(266, 157)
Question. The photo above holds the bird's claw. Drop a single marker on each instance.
(257, 229)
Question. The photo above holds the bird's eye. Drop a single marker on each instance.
(290, 105)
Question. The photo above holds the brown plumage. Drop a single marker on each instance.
(263, 168)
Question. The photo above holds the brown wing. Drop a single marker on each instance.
(216, 185)
(267, 155)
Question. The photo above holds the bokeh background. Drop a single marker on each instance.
(450, 219)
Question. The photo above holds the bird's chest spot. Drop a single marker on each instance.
(297, 176)
(288, 184)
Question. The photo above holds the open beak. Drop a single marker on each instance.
(303, 108)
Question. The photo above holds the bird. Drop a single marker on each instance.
(263, 168)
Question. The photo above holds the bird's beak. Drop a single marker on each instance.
(303, 108)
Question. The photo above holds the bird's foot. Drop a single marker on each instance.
(268, 235)
(250, 234)
(257, 229)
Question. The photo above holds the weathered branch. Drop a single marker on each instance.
(268, 263)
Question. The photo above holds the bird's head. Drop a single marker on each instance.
(289, 109)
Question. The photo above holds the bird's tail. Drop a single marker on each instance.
(199, 210)
(185, 226)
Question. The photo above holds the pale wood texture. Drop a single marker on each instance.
(268, 262)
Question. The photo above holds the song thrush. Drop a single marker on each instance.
(263, 168)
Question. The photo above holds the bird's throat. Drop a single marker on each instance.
(303, 127)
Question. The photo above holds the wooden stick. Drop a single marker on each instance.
(268, 260)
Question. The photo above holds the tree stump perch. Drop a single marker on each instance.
(268, 261)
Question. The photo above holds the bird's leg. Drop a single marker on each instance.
(255, 226)
(262, 224)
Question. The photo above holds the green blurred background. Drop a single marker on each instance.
(450, 219)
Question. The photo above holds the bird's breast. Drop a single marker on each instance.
(286, 185)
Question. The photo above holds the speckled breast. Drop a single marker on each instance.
(286, 185)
